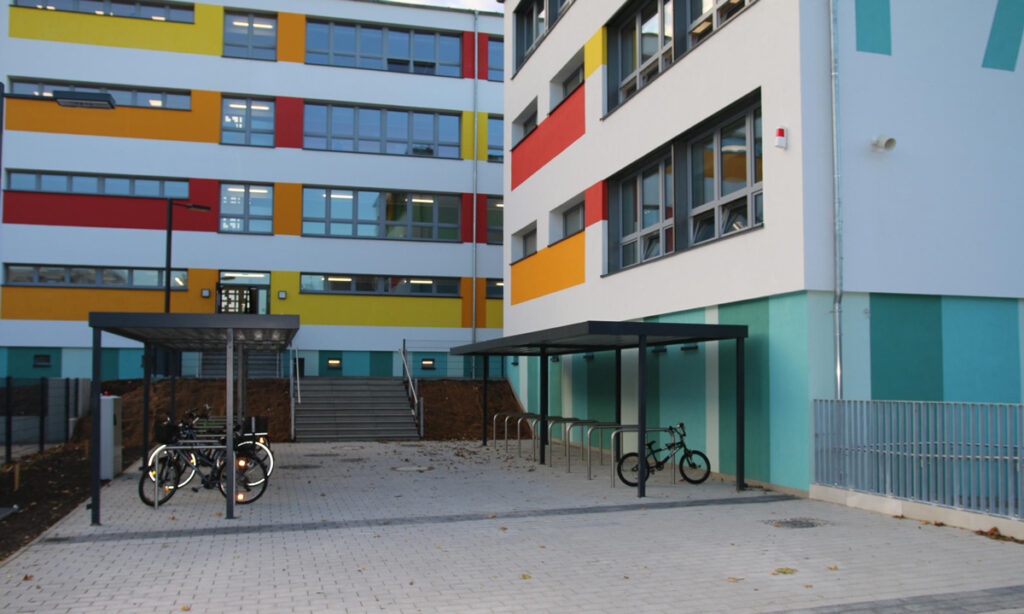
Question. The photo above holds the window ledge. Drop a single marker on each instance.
(399, 239)
(690, 248)
(526, 257)
(567, 237)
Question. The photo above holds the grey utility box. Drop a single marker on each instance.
(110, 437)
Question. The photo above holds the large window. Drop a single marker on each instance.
(495, 220)
(246, 208)
(91, 276)
(495, 139)
(146, 98)
(351, 212)
(383, 48)
(495, 288)
(644, 45)
(533, 19)
(110, 185)
(157, 11)
(495, 59)
(725, 178)
(247, 121)
(646, 214)
(347, 283)
(374, 130)
(250, 35)
(706, 16)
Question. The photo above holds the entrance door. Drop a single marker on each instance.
(243, 292)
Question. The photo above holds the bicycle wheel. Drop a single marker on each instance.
(186, 470)
(629, 468)
(695, 467)
(260, 451)
(160, 477)
(250, 479)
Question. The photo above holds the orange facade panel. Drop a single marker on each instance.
(555, 268)
(200, 124)
(287, 209)
(291, 37)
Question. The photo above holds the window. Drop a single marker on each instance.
(351, 212)
(123, 96)
(373, 130)
(157, 11)
(347, 283)
(706, 16)
(495, 288)
(110, 185)
(41, 361)
(646, 214)
(574, 80)
(529, 243)
(525, 123)
(725, 178)
(383, 48)
(532, 21)
(250, 35)
(495, 59)
(495, 139)
(644, 46)
(246, 208)
(92, 276)
(495, 220)
(572, 220)
(247, 121)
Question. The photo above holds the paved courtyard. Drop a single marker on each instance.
(452, 527)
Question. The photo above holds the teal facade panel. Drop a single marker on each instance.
(754, 314)
(906, 347)
(980, 350)
(874, 26)
(21, 361)
(355, 363)
(789, 390)
(1005, 37)
(382, 364)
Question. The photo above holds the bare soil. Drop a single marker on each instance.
(46, 486)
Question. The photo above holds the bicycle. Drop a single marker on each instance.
(161, 478)
(693, 464)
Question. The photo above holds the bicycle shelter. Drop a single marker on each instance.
(596, 336)
(186, 332)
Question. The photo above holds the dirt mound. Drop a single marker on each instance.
(452, 408)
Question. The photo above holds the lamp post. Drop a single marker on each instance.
(167, 263)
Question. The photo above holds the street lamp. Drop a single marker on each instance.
(167, 264)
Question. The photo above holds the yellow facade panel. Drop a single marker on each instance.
(595, 52)
(495, 314)
(467, 135)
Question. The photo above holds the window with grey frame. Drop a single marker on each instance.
(336, 127)
(528, 242)
(495, 220)
(247, 121)
(495, 288)
(495, 139)
(78, 276)
(495, 59)
(646, 214)
(156, 11)
(706, 16)
(725, 174)
(109, 185)
(389, 48)
(645, 46)
(352, 212)
(347, 283)
(124, 96)
(533, 18)
(250, 35)
(572, 220)
(246, 208)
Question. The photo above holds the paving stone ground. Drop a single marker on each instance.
(451, 527)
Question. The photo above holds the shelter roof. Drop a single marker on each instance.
(196, 332)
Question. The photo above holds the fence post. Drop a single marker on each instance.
(8, 421)
(67, 409)
(44, 398)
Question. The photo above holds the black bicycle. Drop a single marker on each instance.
(693, 464)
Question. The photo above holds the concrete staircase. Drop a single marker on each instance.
(262, 365)
(354, 409)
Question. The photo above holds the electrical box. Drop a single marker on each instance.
(110, 437)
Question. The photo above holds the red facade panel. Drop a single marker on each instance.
(596, 203)
(561, 129)
(467, 55)
(288, 122)
(483, 56)
(101, 212)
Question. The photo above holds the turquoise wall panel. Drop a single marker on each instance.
(533, 385)
(906, 347)
(682, 383)
(512, 368)
(3, 362)
(601, 390)
(788, 391)
(754, 314)
(440, 364)
(874, 26)
(382, 364)
(980, 350)
(1005, 37)
(355, 363)
(129, 364)
(20, 361)
(580, 400)
(76, 363)
(555, 390)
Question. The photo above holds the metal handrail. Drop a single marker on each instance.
(408, 376)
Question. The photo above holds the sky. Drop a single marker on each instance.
(483, 5)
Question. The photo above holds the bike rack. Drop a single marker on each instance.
(508, 415)
(552, 421)
(186, 444)
(600, 426)
(533, 420)
(642, 445)
(567, 436)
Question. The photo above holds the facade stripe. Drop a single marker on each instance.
(595, 52)
(554, 268)
(906, 347)
(94, 211)
(1005, 38)
(552, 136)
(483, 56)
(288, 116)
(467, 55)
(980, 350)
(596, 203)
(788, 390)
(874, 26)
(287, 209)
(291, 37)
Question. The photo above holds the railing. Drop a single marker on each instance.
(414, 389)
(37, 411)
(964, 455)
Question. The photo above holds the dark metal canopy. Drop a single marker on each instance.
(197, 332)
(596, 336)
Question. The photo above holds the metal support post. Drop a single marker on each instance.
(94, 422)
(8, 412)
(486, 374)
(147, 356)
(740, 414)
(641, 407)
(44, 400)
(229, 414)
(617, 448)
(67, 409)
(543, 404)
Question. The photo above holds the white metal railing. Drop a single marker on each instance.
(414, 389)
(963, 455)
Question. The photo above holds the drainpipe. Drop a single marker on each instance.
(476, 164)
(837, 203)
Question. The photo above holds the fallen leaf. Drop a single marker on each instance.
(625, 577)
(833, 568)
(784, 571)
(220, 513)
(411, 582)
(732, 579)
(186, 608)
(525, 576)
(542, 546)
(323, 494)
(27, 578)
(173, 518)
(808, 586)
(492, 515)
(503, 528)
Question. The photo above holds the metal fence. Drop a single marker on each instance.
(39, 411)
(962, 455)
